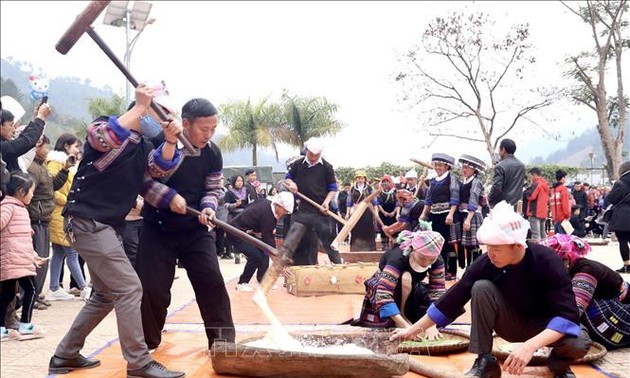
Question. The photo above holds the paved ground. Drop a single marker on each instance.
(30, 358)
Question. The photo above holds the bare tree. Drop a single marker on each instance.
(474, 88)
(606, 20)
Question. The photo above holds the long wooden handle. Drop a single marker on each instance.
(319, 207)
(430, 372)
(422, 163)
(236, 232)
(123, 69)
(354, 218)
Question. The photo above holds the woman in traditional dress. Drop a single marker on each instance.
(363, 236)
(470, 192)
(386, 208)
(396, 294)
(440, 208)
(600, 293)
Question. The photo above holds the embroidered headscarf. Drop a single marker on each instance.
(568, 247)
(503, 226)
(420, 243)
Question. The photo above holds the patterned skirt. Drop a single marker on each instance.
(466, 238)
(608, 322)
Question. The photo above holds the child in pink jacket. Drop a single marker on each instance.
(18, 259)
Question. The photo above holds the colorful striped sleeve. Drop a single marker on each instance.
(158, 167)
(105, 135)
(437, 282)
(385, 288)
(584, 286)
(156, 193)
(213, 191)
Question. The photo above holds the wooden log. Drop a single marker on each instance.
(355, 257)
(237, 359)
(431, 372)
(315, 280)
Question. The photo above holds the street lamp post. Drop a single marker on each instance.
(592, 156)
(118, 13)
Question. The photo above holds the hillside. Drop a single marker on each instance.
(577, 151)
(70, 97)
(68, 94)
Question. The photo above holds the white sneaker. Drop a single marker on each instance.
(244, 287)
(85, 293)
(58, 295)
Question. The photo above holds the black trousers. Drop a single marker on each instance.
(220, 243)
(155, 263)
(319, 227)
(491, 312)
(257, 260)
(438, 222)
(7, 295)
(131, 238)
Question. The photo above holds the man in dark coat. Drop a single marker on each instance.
(509, 176)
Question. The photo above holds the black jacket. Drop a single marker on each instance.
(508, 181)
(620, 219)
(257, 217)
(12, 149)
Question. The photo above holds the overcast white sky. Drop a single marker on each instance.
(345, 51)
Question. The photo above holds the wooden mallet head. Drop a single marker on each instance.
(82, 23)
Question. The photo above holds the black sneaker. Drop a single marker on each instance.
(237, 258)
(154, 369)
(58, 365)
(485, 368)
(624, 269)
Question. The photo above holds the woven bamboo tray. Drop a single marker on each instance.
(502, 349)
(453, 341)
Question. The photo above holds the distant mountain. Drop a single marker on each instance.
(68, 94)
(578, 150)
